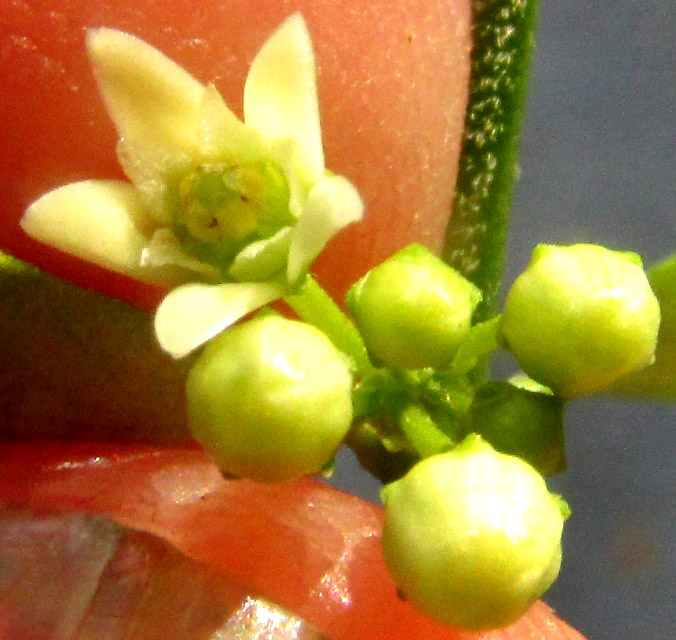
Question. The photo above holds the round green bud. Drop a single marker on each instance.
(270, 399)
(472, 536)
(579, 317)
(413, 310)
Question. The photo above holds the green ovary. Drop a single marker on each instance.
(223, 207)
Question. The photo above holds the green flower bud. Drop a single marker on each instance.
(270, 399)
(413, 310)
(522, 423)
(579, 317)
(472, 536)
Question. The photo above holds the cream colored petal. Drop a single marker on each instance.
(280, 95)
(195, 313)
(156, 172)
(223, 137)
(150, 98)
(102, 221)
(283, 152)
(332, 204)
(164, 250)
(263, 259)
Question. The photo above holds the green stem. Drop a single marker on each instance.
(422, 432)
(316, 307)
(503, 37)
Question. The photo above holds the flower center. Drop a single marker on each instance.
(225, 207)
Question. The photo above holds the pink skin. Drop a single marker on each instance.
(339, 582)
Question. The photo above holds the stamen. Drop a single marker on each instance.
(224, 207)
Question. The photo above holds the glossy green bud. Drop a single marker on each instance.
(413, 310)
(270, 399)
(580, 317)
(472, 536)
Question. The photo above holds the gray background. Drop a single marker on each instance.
(598, 164)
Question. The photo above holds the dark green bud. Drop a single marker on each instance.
(521, 423)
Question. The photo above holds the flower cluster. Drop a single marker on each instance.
(235, 212)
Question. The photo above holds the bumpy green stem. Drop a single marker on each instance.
(503, 39)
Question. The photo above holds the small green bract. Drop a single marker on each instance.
(472, 536)
(270, 399)
(580, 317)
(413, 310)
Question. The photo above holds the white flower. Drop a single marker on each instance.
(237, 210)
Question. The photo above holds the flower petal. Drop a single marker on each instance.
(222, 137)
(154, 169)
(148, 96)
(195, 313)
(332, 204)
(102, 221)
(283, 152)
(164, 249)
(262, 259)
(280, 95)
